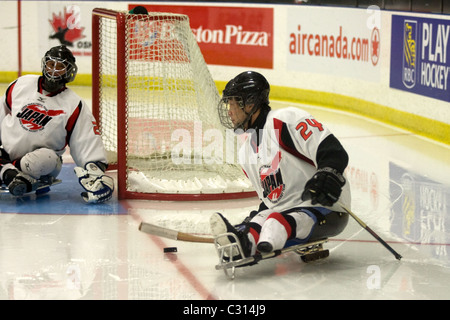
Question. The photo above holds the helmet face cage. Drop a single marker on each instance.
(224, 108)
(58, 70)
(247, 88)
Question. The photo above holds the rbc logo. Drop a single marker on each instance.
(409, 53)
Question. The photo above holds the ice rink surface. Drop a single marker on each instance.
(56, 247)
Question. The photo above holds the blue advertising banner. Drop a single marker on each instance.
(420, 61)
(419, 211)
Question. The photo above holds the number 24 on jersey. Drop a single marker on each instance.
(305, 129)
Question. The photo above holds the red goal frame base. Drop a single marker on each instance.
(189, 197)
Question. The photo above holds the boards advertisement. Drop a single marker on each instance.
(420, 61)
(345, 45)
(229, 36)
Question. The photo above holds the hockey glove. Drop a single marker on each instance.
(99, 187)
(324, 187)
(4, 157)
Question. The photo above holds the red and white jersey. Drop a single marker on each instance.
(285, 158)
(32, 118)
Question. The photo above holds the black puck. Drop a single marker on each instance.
(170, 249)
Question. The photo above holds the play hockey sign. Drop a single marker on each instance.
(420, 61)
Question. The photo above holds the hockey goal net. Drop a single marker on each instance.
(155, 102)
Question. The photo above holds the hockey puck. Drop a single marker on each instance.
(170, 249)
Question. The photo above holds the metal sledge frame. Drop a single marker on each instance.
(234, 249)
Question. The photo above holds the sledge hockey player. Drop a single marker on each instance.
(39, 118)
(295, 164)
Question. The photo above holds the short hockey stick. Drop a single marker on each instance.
(365, 226)
(172, 234)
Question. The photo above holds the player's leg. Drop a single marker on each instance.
(41, 162)
(220, 226)
(32, 171)
(281, 227)
(300, 224)
(246, 232)
(269, 230)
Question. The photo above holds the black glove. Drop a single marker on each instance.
(4, 157)
(324, 187)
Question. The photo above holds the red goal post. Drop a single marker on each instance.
(150, 88)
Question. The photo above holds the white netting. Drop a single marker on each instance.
(175, 142)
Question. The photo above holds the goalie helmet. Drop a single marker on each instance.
(58, 68)
(247, 88)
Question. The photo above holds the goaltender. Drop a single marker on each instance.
(39, 118)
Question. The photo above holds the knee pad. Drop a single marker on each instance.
(41, 162)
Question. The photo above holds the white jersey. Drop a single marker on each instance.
(280, 167)
(32, 118)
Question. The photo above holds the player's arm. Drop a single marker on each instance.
(318, 146)
(2, 115)
(3, 109)
(332, 154)
(325, 186)
(86, 148)
(5, 104)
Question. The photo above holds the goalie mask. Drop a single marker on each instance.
(58, 68)
(242, 97)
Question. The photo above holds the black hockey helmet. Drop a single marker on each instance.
(138, 10)
(58, 67)
(247, 88)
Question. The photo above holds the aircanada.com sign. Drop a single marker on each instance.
(347, 44)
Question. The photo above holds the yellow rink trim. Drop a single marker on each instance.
(419, 125)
